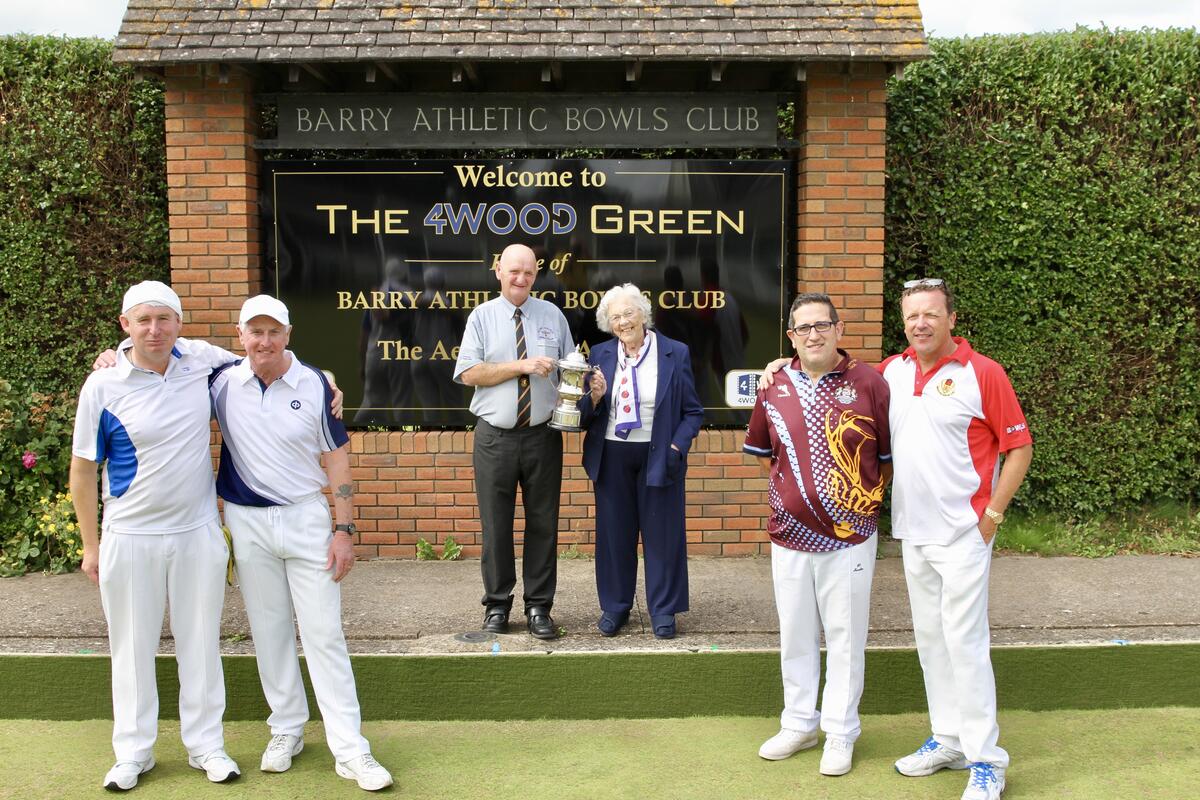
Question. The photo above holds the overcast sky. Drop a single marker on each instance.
(942, 17)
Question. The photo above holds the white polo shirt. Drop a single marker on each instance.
(151, 433)
(948, 429)
(273, 436)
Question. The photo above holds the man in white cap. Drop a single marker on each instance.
(276, 425)
(147, 421)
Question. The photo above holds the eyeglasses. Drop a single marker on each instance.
(819, 327)
(628, 315)
(924, 283)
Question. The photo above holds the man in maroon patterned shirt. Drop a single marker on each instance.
(821, 432)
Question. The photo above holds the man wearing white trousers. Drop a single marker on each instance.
(820, 431)
(276, 424)
(953, 414)
(147, 422)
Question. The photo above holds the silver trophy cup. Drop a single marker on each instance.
(572, 370)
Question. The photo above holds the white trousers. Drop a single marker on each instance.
(830, 592)
(140, 575)
(281, 553)
(948, 592)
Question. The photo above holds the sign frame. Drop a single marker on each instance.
(433, 121)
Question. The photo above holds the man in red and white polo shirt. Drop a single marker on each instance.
(820, 430)
(953, 413)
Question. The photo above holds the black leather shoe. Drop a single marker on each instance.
(495, 620)
(541, 625)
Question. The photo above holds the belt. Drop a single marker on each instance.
(484, 424)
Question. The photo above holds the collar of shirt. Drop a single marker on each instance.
(125, 365)
(962, 354)
(624, 360)
(510, 309)
(242, 372)
(842, 365)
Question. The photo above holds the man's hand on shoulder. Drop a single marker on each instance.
(105, 360)
(335, 407)
(768, 377)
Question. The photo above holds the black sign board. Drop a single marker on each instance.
(402, 120)
(380, 263)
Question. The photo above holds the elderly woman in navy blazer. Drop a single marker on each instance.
(635, 452)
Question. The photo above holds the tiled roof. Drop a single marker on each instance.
(282, 31)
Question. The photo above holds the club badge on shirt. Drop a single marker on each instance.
(845, 394)
(946, 387)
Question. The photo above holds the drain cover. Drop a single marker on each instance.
(474, 637)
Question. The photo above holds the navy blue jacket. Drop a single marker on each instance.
(677, 412)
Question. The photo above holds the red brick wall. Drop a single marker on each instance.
(212, 190)
(421, 485)
(840, 184)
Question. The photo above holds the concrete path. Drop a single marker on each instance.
(421, 607)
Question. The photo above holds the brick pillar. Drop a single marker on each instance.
(212, 188)
(840, 184)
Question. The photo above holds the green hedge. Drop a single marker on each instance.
(83, 213)
(83, 203)
(1054, 180)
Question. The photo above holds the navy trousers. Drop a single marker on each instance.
(625, 506)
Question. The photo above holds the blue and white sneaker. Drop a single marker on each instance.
(929, 758)
(986, 782)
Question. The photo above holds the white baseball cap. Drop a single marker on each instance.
(154, 293)
(263, 305)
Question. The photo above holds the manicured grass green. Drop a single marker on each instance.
(629, 685)
(1165, 529)
(1097, 755)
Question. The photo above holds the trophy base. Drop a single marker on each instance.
(562, 420)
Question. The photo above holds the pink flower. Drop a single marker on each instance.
(29, 459)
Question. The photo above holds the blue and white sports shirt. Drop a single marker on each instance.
(151, 433)
(273, 436)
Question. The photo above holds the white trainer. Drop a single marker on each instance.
(838, 756)
(929, 758)
(986, 782)
(786, 744)
(280, 750)
(364, 769)
(124, 774)
(217, 766)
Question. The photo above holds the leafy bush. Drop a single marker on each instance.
(82, 216)
(35, 456)
(83, 211)
(48, 541)
(1054, 180)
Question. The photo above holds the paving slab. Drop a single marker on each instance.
(417, 607)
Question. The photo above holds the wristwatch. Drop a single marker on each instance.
(350, 529)
(996, 517)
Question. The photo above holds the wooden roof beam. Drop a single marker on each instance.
(465, 69)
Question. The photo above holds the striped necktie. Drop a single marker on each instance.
(524, 399)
